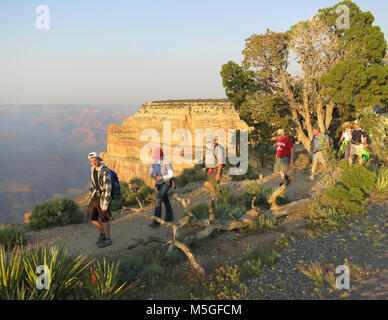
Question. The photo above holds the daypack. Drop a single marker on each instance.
(169, 182)
(222, 151)
(116, 190)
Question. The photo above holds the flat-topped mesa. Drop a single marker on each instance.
(123, 141)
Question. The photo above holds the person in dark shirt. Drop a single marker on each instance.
(358, 143)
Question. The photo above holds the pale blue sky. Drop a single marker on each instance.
(130, 52)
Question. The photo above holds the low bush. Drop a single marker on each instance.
(381, 185)
(331, 210)
(129, 268)
(138, 188)
(189, 175)
(262, 194)
(226, 211)
(55, 213)
(224, 284)
(151, 275)
(350, 194)
(263, 224)
(224, 196)
(11, 236)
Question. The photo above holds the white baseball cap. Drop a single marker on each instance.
(94, 155)
(209, 139)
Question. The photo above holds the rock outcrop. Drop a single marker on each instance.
(124, 144)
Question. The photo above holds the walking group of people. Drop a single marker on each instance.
(354, 141)
(102, 184)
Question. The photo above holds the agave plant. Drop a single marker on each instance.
(102, 282)
(11, 275)
(381, 184)
(64, 271)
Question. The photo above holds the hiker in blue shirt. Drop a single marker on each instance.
(162, 172)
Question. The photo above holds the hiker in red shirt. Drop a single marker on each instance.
(284, 156)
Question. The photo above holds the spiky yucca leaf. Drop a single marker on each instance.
(102, 283)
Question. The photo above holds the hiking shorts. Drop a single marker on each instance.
(95, 211)
(318, 157)
(356, 149)
(282, 164)
(211, 178)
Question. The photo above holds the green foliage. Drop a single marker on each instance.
(18, 273)
(189, 175)
(344, 73)
(268, 256)
(69, 275)
(55, 213)
(223, 195)
(138, 188)
(129, 268)
(200, 210)
(381, 184)
(263, 224)
(262, 194)
(332, 210)
(349, 196)
(238, 82)
(223, 211)
(265, 113)
(352, 83)
(11, 236)
(361, 40)
(102, 281)
(151, 275)
(65, 270)
(225, 284)
(11, 276)
(173, 255)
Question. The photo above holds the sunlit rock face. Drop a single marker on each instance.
(176, 124)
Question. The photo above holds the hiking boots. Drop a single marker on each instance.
(104, 243)
(100, 238)
(169, 219)
(287, 181)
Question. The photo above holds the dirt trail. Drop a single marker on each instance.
(128, 228)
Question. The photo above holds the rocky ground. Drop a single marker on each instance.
(363, 247)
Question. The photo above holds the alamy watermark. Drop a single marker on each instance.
(43, 279)
(42, 21)
(343, 20)
(199, 148)
(343, 280)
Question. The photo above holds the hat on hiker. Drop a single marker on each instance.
(280, 131)
(346, 124)
(94, 155)
(209, 138)
(315, 127)
(157, 154)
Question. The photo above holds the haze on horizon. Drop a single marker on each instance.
(131, 52)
